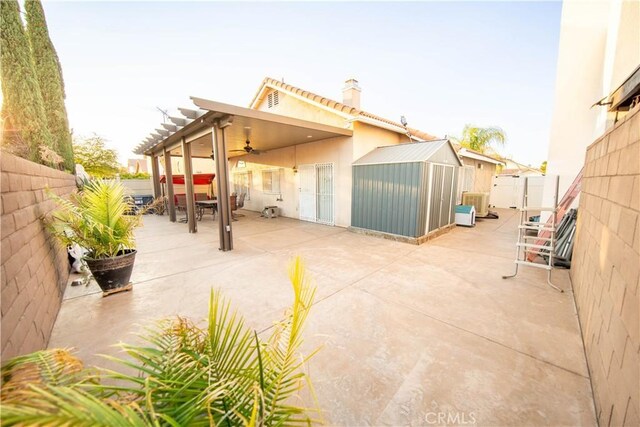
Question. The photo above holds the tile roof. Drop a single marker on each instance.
(338, 106)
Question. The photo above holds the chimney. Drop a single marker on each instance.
(351, 93)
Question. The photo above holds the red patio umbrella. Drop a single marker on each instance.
(198, 178)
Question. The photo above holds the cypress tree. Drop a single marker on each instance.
(23, 113)
(49, 75)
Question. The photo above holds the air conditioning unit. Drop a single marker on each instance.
(479, 200)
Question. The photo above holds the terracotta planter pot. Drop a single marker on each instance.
(113, 274)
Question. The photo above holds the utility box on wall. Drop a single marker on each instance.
(270, 212)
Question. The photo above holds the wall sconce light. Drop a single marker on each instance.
(295, 169)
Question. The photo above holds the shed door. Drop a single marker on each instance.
(447, 194)
(454, 196)
(441, 196)
(437, 186)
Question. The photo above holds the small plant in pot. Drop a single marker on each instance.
(102, 220)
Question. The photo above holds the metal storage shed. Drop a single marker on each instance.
(406, 190)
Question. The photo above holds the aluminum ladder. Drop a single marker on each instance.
(543, 246)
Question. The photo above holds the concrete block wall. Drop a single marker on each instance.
(34, 266)
(605, 271)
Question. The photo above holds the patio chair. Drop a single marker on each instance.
(199, 209)
(181, 205)
(233, 201)
(239, 204)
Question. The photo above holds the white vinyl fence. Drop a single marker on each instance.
(507, 191)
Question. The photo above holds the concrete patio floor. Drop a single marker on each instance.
(410, 335)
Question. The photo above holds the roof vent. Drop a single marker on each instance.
(351, 93)
(273, 99)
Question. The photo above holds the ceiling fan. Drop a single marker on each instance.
(248, 148)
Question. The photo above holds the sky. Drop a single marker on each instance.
(440, 64)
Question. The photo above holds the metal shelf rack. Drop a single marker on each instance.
(524, 248)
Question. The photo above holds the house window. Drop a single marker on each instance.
(273, 99)
(242, 184)
(271, 181)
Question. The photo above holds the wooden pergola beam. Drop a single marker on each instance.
(222, 181)
(169, 174)
(155, 172)
(189, 113)
(179, 121)
(170, 127)
(188, 185)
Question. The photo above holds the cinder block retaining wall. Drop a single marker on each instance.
(34, 268)
(605, 270)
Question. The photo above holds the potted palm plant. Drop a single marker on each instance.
(100, 219)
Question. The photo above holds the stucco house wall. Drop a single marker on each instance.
(333, 150)
(291, 106)
(483, 174)
(341, 151)
(367, 138)
(599, 48)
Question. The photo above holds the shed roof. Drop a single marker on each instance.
(406, 153)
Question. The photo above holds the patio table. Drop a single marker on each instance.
(206, 204)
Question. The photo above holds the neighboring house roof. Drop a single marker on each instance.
(476, 155)
(520, 171)
(513, 168)
(406, 153)
(338, 107)
(471, 154)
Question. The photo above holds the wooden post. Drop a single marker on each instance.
(169, 174)
(155, 171)
(188, 185)
(222, 180)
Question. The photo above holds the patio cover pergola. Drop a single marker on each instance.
(211, 131)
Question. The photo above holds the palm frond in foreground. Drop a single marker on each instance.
(224, 374)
